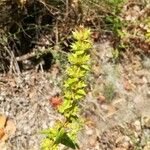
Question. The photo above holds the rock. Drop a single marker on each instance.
(146, 121)
(146, 63)
(148, 94)
(123, 142)
(1, 98)
(92, 142)
(89, 132)
(145, 138)
(137, 125)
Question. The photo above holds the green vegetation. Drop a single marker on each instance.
(148, 31)
(109, 91)
(65, 132)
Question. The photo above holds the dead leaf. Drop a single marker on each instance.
(101, 99)
(89, 122)
(5, 137)
(9, 130)
(2, 133)
(127, 85)
(95, 35)
(32, 94)
(111, 111)
(2, 121)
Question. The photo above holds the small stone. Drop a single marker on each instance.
(148, 94)
(104, 107)
(144, 80)
(92, 142)
(123, 142)
(1, 98)
(146, 63)
(146, 121)
(89, 132)
(137, 125)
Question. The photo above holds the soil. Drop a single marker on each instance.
(116, 108)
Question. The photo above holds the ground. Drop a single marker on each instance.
(116, 108)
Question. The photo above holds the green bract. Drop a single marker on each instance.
(81, 46)
(73, 91)
(79, 59)
(148, 32)
(82, 34)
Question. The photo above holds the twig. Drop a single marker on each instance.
(144, 11)
(34, 54)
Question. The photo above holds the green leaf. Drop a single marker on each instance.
(65, 106)
(48, 144)
(115, 54)
(85, 59)
(72, 111)
(79, 60)
(82, 34)
(59, 136)
(121, 33)
(50, 133)
(73, 58)
(68, 95)
(75, 126)
(80, 84)
(80, 52)
(81, 92)
(67, 141)
(86, 67)
(81, 46)
(78, 97)
(75, 72)
(70, 82)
